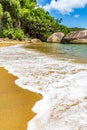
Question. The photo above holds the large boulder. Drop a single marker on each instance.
(76, 37)
(55, 37)
(36, 41)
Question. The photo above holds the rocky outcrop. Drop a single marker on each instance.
(55, 37)
(76, 37)
(36, 41)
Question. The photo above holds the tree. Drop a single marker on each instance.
(1, 14)
(6, 20)
(27, 17)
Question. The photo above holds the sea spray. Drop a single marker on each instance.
(62, 84)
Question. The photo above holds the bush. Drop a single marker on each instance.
(13, 33)
(7, 33)
(18, 34)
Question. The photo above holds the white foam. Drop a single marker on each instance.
(62, 84)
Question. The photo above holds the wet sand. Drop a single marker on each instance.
(15, 103)
(10, 43)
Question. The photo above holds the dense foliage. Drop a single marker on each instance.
(24, 18)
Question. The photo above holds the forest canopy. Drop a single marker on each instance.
(24, 18)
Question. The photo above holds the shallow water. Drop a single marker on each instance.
(62, 83)
(74, 52)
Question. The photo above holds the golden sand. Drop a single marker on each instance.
(15, 103)
(10, 43)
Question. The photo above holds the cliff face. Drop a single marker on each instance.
(76, 37)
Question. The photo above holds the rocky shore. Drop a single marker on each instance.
(75, 37)
(7, 42)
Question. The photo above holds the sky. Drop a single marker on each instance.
(73, 12)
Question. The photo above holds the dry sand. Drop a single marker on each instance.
(15, 103)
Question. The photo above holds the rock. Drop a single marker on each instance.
(55, 37)
(4, 39)
(36, 41)
(76, 37)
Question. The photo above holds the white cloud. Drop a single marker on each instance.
(76, 15)
(65, 6)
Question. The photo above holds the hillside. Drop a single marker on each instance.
(24, 18)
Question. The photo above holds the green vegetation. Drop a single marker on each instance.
(77, 29)
(24, 18)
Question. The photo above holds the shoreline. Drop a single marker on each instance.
(58, 81)
(16, 103)
(11, 43)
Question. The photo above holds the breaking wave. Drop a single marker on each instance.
(63, 85)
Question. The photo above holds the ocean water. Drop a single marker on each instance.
(73, 52)
(59, 73)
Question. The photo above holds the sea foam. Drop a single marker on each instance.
(62, 84)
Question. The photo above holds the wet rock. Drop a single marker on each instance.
(36, 41)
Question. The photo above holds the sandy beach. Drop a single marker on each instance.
(15, 103)
(11, 42)
(62, 83)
